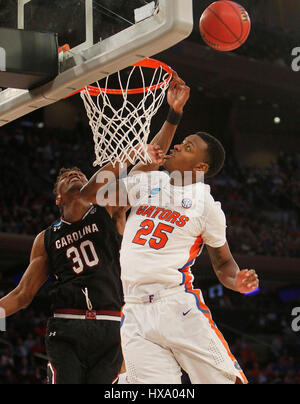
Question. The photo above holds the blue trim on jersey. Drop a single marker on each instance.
(197, 302)
(57, 224)
(191, 263)
(187, 265)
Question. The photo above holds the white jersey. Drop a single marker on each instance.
(165, 232)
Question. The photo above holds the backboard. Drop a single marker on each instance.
(104, 37)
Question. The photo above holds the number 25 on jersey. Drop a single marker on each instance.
(159, 235)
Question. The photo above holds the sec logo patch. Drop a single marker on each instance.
(186, 203)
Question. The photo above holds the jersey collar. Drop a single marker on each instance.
(87, 213)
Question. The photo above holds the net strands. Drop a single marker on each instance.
(121, 134)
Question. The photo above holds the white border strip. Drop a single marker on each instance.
(82, 317)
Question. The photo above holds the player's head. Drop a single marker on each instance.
(199, 152)
(68, 184)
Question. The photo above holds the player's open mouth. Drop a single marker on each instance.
(75, 178)
(170, 155)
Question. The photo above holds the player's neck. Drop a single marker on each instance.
(75, 210)
(184, 179)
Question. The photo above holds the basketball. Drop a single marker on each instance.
(225, 25)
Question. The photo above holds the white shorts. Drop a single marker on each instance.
(163, 335)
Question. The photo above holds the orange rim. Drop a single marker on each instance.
(150, 63)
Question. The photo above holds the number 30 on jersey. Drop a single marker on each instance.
(84, 256)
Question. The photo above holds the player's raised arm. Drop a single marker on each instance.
(228, 271)
(178, 95)
(35, 276)
(109, 174)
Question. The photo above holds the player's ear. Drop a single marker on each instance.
(203, 167)
(58, 200)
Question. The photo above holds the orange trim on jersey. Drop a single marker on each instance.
(206, 312)
(188, 282)
(194, 251)
(219, 334)
(122, 316)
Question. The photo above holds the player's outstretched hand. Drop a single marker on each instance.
(156, 154)
(246, 281)
(178, 94)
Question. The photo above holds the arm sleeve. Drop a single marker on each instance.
(214, 234)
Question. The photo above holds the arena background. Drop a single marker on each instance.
(250, 100)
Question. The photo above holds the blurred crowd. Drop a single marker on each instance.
(31, 158)
(262, 206)
(22, 347)
(257, 328)
(270, 44)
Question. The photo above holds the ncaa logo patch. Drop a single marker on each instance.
(57, 226)
(154, 191)
(186, 203)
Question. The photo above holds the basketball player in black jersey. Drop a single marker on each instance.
(81, 251)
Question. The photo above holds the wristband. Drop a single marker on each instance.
(173, 117)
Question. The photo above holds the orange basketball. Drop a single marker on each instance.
(225, 25)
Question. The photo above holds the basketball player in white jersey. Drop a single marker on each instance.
(166, 325)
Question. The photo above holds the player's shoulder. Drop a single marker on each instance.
(211, 205)
(140, 175)
(39, 237)
(147, 180)
(38, 246)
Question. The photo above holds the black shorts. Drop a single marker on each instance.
(83, 351)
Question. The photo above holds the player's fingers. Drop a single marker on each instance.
(250, 280)
(248, 272)
(244, 273)
(177, 79)
(172, 85)
(183, 89)
(253, 280)
(252, 273)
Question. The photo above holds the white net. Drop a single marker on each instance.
(121, 128)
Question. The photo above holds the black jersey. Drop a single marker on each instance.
(84, 259)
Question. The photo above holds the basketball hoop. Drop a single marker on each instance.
(121, 132)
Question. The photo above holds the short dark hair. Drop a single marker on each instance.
(62, 171)
(215, 154)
